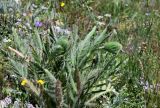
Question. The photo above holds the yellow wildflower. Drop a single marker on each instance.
(24, 82)
(62, 4)
(41, 82)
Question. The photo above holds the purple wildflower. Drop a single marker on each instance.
(5, 102)
(38, 24)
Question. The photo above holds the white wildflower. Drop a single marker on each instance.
(101, 23)
(107, 15)
(100, 17)
(62, 31)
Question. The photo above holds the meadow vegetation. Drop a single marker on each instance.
(79, 54)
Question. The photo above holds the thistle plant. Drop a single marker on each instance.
(71, 68)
